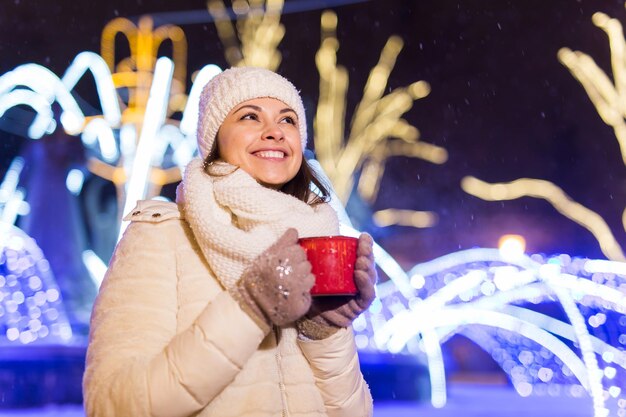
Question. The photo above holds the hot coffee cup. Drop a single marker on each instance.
(332, 260)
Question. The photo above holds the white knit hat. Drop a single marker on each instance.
(234, 86)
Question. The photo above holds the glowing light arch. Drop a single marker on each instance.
(478, 291)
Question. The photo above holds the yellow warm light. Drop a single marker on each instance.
(527, 187)
(254, 41)
(135, 73)
(377, 123)
(419, 89)
(241, 7)
(225, 31)
(608, 97)
(512, 245)
(329, 21)
(111, 173)
(419, 219)
(161, 177)
(422, 150)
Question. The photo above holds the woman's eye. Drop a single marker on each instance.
(249, 116)
(290, 120)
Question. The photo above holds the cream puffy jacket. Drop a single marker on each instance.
(167, 340)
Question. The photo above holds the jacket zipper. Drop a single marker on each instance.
(281, 383)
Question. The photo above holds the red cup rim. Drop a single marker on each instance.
(333, 237)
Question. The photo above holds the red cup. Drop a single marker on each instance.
(332, 260)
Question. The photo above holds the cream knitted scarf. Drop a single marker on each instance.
(234, 218)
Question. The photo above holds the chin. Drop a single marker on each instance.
(271, 184)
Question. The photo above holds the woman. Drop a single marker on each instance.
(206, 309)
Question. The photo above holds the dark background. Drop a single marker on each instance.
(501, 103)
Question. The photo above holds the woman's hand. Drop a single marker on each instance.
(276, 287)
(328, 314)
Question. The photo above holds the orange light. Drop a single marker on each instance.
(512, 245)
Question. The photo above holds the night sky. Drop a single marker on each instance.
(501, 103)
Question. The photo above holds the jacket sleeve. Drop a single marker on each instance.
(337, 373)
(137, 363)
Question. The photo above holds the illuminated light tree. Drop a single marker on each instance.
(377, 118)
(259, 28)
(609, 99)
(55, 220)
(44, 178)
(31, 306)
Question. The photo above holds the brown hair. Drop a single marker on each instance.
(298, 187)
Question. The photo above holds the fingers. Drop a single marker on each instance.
(343, 315)
(300, 308)
(368, 266)
(307, 279)
(365, 255)
(366, 288)
(337, 318)
(363, 263)
(292, 253)
(280, 280)
(365, 246)
(303, 268)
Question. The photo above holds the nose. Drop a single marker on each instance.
(273, 131)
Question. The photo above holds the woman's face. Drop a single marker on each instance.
(261, 136)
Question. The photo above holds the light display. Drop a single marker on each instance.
(259, 28)
(503, 302)
(512, 246)
(12, 202)
(556, 326)
(376, 119)
(138, 147)
(608, 97)
(31, 309)
(149, 147)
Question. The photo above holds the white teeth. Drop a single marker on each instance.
(270, 154)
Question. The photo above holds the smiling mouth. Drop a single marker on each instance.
(270, 154)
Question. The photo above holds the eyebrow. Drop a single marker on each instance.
(259, 109)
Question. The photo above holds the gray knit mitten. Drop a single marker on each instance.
(329, 314)
(276, 287)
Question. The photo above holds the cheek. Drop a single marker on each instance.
(227, 147)
(296, 145)
(298, 162)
